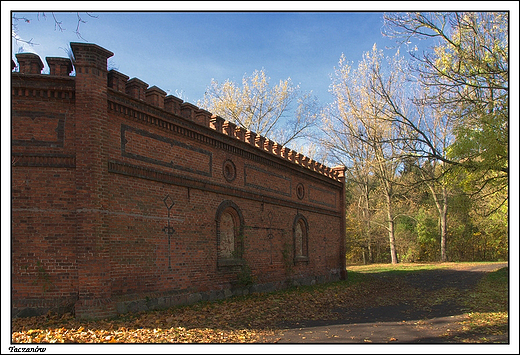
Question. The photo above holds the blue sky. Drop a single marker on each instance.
(181, 52)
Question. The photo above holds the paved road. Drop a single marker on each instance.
(396, 323)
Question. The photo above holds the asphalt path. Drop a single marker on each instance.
(396, 323)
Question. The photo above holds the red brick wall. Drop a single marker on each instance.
(90, 213)
(44, 269)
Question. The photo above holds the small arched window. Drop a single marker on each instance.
(301, 239)
(230, 224)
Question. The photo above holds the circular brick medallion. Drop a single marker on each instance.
(300, 191)
(229, 170)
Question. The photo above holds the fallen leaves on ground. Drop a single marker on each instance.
(248, 319)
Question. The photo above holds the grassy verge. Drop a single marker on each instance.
(397, 268)
(488, 319)
(402, 268)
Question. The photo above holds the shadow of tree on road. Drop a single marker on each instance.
(436, 301)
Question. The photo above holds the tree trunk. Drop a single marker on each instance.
(443, 217)
(370, 254)
(367, 219)
(391, 237)
(442, 208)
(391, 230)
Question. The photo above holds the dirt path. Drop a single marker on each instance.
(403, 322)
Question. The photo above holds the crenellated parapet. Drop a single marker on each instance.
(136, 89)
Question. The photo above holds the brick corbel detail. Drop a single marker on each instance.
(259, 141)
(229, 128)
(240, 133)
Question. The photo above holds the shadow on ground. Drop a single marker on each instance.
(400, 322)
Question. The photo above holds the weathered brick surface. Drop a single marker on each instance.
(103, 166)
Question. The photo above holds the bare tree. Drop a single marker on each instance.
(365, 120)
(22, 17)
(281, 112)
(342, 145)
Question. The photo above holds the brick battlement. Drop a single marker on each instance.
(29, 63)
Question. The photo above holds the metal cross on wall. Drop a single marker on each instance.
(168, 202)
(325, 247)
(270, 236)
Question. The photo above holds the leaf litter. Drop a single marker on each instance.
(246, 319)
(254, 318)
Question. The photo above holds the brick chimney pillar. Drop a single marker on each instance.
(92, 182)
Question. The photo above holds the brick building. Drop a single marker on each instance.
(125, 199)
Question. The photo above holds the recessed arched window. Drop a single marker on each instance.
(230, 225)
(301, 239)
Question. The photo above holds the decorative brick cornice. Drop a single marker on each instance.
(208, 136)
(142, 172)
